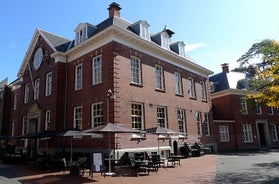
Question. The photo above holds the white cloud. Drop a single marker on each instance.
(194, 46)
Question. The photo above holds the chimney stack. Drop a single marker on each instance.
(114, 10)
(225, 67)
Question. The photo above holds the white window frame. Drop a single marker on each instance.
(224, 133)
(77, 117)
(182, 51)
(24, 125)
(243, 104)
(207, 124)
(97, 70)
(247, 133)
(136, 71)
(15, 101)
(159, 75)
(13, 128)
(203, 91)
(274, 132)
(37, 89)
(165, 42)
(26, 93)
(97, 114)
(181, 120)
(144, 30)
(78, 77)
(178, 83)
(270, 110)
(137, 115)
(47, 120)
(191, 88)
(48, 90)
(258, 109)
(81, 35)
(199, 123)
(161, 116)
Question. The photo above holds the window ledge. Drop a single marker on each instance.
(135, 84)
(160, 90)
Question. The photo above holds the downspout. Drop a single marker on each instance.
(65, 103)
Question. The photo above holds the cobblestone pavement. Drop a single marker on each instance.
(194, 170)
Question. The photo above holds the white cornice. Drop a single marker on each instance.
(130, 39)
(224, 121)
(229, 92)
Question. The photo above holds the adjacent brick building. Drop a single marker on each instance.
(115, 72)
(238, 125)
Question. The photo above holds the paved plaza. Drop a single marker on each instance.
(246, 167)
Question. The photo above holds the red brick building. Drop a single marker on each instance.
(115, 72)
(239, 126)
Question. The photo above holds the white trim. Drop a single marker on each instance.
(148, 149)
(223, 121)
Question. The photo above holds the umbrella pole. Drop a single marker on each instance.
(158, 146)
(109, 173)
(71, 160)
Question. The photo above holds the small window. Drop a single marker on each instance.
(144, 30)
(15, 101)
(26, 93)
(48, 84)
(247, 133)
(36, 89)
(224, 133)
(181, 120)
(270, 111)
(13, 128)
(47, 120)
(97, 70)
(199, 123)
(24, 125)
(244, 109)
(206, 124)
(274, 132)
(203, 91)
(178, 83)
(78, 77)
(97, 113)
(165, 40)
(181, 47)
(191, 88)
(136, 71)
(78, 118)
(161, 117)
(159, 77)
(258, 109)
(137, 116)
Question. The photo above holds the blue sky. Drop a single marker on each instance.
(215, 31)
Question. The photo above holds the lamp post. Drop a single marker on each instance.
(109, 95)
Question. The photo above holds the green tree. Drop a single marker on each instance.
(263, 59)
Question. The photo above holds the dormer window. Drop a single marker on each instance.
(144, 30)
(165, 40)
(81, 35)
(181, 47)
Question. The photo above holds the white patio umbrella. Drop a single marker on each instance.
(111, 128)
(75, 132)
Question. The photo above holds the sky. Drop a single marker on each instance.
(214, 31)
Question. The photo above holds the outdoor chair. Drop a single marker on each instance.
(154, 163)
(199, 151)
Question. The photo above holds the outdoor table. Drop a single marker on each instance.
(175, 159)
(142, 166)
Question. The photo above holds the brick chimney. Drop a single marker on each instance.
(114, 10)
(225, 67)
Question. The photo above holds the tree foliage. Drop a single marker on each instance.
(264, 87)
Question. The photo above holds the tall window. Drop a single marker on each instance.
(97, 113)
(181, 120)
(181, 46)
(26, 93)
(159, 77)
(47, 120)
(274, 132)
(48, 84)
(137, 116)
(178, 83)
(243, 104)
(97, 70)
(136, 71)
(78, 118)
(258, 108)
(270, 110)
(199, 125)
(247, 133)
(144, 30)
(81, 35)
(24, 125)
(13, 128)
(15, 101)
(78, 77)
(36, 89)
(203, 91)
(206, 124)
(161, 117)
(191, 88)
(224, 133)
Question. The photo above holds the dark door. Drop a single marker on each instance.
(175, 147)
(262, 134)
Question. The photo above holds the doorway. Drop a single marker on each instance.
(263, 136)
(175, 147)
(32, 142)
